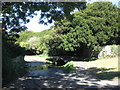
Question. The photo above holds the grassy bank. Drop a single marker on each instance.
(105, 68)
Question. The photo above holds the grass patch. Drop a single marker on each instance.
(47, 61)
(104, 63)
(105, 68)
(69, 67)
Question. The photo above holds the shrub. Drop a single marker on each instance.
(69, 67)
(115, 50)
(10, 69)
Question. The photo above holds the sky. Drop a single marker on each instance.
(34, 26)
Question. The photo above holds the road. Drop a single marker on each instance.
(58, 79)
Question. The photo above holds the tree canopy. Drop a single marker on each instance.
(16, 13)
(91, 28)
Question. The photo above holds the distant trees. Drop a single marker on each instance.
(35, 41)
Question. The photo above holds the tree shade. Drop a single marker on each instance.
(16, 13)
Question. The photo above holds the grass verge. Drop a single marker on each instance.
(105, 68)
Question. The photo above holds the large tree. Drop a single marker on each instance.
(91, 28)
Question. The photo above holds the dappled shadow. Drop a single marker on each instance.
(103, 73)
(80, 79)
(33, 64)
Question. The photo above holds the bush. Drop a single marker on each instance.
(10, 69)
(115, 50)
(69, 67)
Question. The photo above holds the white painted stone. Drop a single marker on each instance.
(107, 50)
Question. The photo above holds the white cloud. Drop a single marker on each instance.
(113, 1)
(35, 27)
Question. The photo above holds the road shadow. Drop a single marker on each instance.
(35, 64)
(80, 79)
(73, 58)
(103, 73)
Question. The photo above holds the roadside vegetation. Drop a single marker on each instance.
(11, 69)
(106, 68)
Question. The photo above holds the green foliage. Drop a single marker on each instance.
(24, 36)
(10, 69)
(90, 59)
(37, 41)
(22, 10)
(10, 49)
(69, 67)
(53, 44)
(115, 49)
(91, 28)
